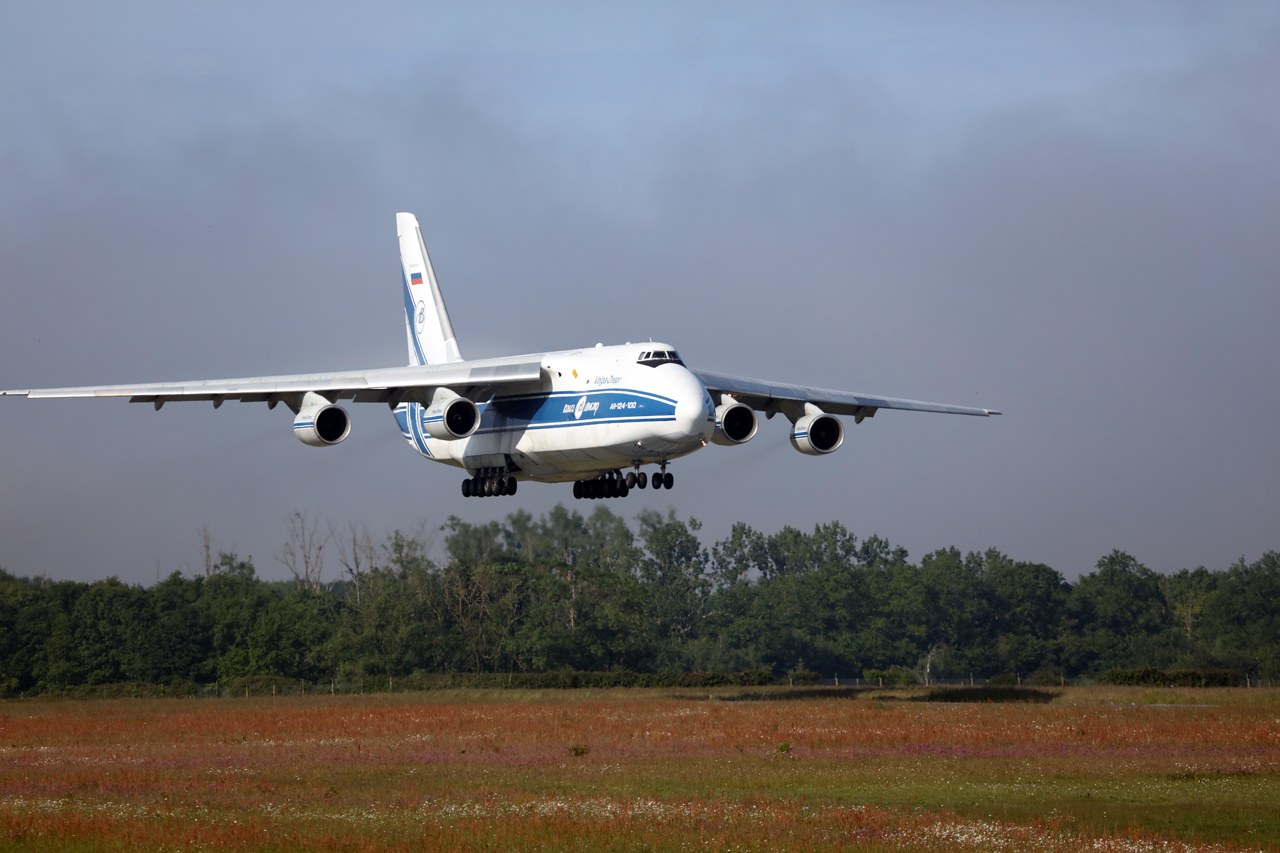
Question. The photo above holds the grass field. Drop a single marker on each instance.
(1097, 769)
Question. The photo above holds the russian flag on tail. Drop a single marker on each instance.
(415, 278)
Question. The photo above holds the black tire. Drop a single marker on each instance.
(631, 479)
(656, 482)
(669, 481)
(487, 488)
(511, 485)
(577, 490)
(623, 489)
(466, 488)
(500, 486)
(642, 480)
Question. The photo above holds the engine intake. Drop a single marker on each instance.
(816, 435)
(322, 426)
(450, 417)
(735, 424)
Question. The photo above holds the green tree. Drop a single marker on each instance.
(1118, 612)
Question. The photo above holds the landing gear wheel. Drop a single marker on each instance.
(466, 488)
(668, 480)
(501, 486)
(631, 479)
(623, 489)
(577, 490)
(487, 488)
(656, 483)
(642, 480)
(511, 485)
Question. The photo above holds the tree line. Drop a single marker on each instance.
(597, 594)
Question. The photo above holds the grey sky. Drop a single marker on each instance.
(1066, 213)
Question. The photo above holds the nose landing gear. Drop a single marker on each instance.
(662, 477)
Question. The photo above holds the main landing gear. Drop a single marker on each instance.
(489, 482)
(614, 485)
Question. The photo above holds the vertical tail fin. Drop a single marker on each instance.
(431, 338)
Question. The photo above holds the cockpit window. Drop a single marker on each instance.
(657, 357)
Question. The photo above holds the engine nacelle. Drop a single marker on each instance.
(450, 417)
(735, 424)
(322, 426)
(816, 435)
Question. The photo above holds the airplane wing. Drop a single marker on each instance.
(386, 385)
(773, 397)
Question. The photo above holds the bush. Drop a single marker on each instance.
(1004, 679)
(894, 675)
(266, 685)
(1152, 677)
(1047, 677)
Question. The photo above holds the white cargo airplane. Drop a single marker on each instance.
(580, 415)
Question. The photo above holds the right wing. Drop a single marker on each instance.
(392, 385)
(773, 397)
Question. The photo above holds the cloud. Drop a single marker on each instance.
(1096, 261)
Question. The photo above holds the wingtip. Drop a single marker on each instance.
(992, 412)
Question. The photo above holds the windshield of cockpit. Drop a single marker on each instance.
(661, 356)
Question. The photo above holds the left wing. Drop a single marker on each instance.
(773, 397)
(391, 385)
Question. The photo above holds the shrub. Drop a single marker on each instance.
(1152, 677)
(1047, 677)
(894, 675)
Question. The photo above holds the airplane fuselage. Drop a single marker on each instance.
(594, 410)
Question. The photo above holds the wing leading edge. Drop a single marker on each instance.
(392, 385)
(772, 397)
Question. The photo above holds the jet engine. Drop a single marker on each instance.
(735, 424)
(450, 417)
(322, 425)
(817, 434)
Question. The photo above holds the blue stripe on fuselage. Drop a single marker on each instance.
(553, 410)
(560, 409)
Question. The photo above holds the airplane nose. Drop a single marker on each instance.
(692, 411)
